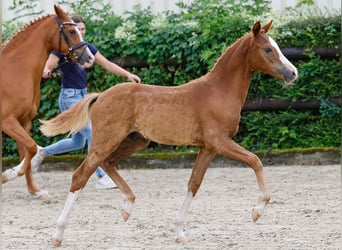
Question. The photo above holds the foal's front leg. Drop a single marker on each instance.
(129, 200)
(236, 152)
(203, 160)
(131, 144)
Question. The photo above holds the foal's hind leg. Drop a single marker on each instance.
(134, 142)
(203, 160)
(85, 170)
(79, 180)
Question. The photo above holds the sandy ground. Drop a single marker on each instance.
(304, 213)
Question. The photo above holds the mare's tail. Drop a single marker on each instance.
(71, 120)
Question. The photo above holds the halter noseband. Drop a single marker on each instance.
(66, 39)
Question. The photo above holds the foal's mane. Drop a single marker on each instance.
(232, 46)
(24, 28)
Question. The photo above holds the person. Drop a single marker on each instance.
(74, 81)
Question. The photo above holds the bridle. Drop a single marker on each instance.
(72, 49)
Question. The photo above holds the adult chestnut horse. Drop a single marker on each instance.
(22, 64)
(204, 112)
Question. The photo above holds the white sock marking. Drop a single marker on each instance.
(180, 218)
(65, 216)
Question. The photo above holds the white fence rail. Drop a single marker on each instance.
(120, 6)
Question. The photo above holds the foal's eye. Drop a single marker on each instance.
(267, 49)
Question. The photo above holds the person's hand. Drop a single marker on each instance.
(46, 73)
(134, 78)
(87, 65)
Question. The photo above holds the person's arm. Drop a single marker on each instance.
(115, 69)
(50, 64)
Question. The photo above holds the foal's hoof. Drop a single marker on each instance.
(180, 236)
(56, 243)
(124, 215)
(181, 239)
(255, 215)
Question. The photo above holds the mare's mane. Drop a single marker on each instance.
(24, 28)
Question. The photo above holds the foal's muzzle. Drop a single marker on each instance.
(289, 74)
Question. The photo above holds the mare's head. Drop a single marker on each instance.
(69, 40)
(265, 56)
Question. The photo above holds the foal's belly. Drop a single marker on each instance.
(168, 124)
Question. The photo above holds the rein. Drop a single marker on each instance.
(66, 39)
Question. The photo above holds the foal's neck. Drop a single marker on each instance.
(231, 73)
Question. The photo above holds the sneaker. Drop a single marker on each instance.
(36, 160)
(105, 182)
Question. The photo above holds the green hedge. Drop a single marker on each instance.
(195, 38)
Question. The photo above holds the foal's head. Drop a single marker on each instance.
(69, 40)
(266, 56)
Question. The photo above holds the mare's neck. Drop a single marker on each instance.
(231, 73)
(30, 47)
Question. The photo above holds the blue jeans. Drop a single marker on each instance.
(68, 98)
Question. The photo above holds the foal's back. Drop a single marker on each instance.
(176, 110)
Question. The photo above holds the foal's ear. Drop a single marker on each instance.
(268, 26)
(256, 28)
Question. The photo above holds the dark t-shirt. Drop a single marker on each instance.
(73, 75)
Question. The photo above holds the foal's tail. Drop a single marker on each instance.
(71, 120)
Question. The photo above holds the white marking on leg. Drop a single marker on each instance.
(12, 173)
(260, 207)
(65, 216)
(180, 218)
(36, 160)
(128, 206)
(44, 194)
(258, 210)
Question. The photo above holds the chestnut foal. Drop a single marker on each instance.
(204, 112)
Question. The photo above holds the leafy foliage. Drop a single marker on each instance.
(178, 47)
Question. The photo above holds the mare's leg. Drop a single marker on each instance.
(132, 143)
(11, 174)
(79, 180)
(31, 185)
(234, 151)
(202, 162)
(12, 128)
(21, 150)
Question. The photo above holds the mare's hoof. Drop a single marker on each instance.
(56, 243)
(4, 178)
(42, 194)
(9, 175)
